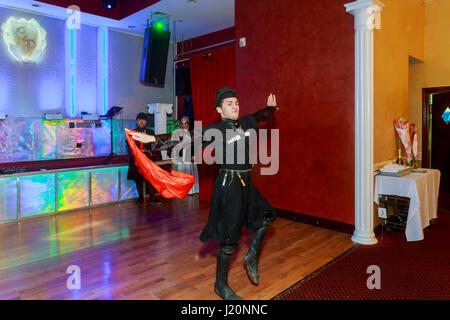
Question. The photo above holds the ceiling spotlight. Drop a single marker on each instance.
(131, 27)
(35, 5)
(109, 4)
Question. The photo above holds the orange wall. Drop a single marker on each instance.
(401, 35)
(435, 71)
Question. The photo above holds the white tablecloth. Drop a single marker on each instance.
(423, 191)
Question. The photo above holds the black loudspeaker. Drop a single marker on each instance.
(183, 82)
(154, 57)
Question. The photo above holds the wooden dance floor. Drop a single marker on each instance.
(129, 251)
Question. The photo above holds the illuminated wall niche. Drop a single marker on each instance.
(25, 39)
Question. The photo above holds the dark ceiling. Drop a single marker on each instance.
(123, 9)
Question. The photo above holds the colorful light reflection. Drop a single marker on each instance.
(8, 199)
(104, 185)
(37, 195)
(73, 190)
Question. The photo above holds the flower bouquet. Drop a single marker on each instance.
(408, 136)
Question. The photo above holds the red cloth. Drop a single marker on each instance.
(210, 71)
(169, 185)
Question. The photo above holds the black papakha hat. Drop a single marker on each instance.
(223, 93)
(141, 115)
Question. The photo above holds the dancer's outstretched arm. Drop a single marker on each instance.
(164, 142)
(266, 113)
(142, 137)
(158, 142)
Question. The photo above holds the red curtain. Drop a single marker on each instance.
(209, 72)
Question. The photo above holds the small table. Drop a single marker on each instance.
(422, 189)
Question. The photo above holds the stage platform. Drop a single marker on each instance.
(37, 193)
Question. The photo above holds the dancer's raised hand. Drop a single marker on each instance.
(272, 101)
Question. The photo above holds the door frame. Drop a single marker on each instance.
(426, 122)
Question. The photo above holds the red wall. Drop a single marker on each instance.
(303, 51)
(206, 40)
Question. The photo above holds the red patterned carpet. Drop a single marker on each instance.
(408, 270)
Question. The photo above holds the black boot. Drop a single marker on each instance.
(151, 191)
(140, 190)
(223, 262)
(154, 200)
(251, 257)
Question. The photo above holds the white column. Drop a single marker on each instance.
(367, 17)
(102, 70)
(160, 110)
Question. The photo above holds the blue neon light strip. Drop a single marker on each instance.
(102, 70)
(72, 70)
(72, 73)
(105, 108)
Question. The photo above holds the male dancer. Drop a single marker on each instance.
(235, 200)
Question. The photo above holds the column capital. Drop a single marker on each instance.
(366, 13)
(356, 6)
(160, 110)
(155, 108)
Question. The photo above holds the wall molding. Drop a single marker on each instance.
(316, 221)
(321, 222)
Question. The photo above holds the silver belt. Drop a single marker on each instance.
(233, 171)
